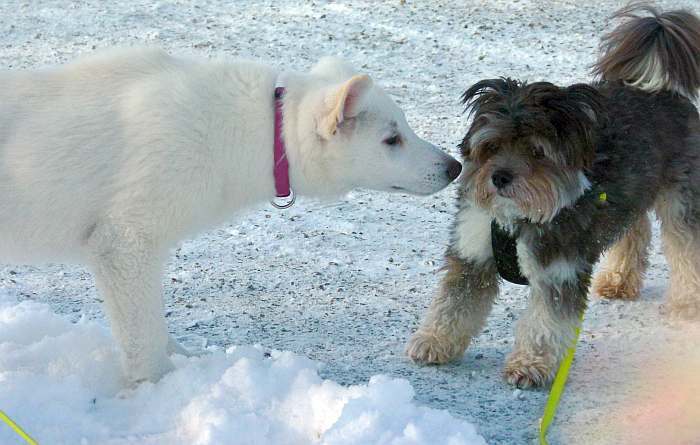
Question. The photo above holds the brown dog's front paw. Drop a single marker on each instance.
(615, 286)
(428, 348)
(524, 372)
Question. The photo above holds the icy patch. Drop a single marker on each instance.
(58, 380)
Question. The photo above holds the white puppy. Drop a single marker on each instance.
(110, 161)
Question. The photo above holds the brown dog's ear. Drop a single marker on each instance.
(483, 100)
(589, 100)
(577, 112)
(488, 93)
(344, 103)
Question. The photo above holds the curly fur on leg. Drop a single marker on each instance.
(622, 275)
(680, 231)
(459, 310)
(456, 314)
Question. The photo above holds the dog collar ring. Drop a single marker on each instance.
(284, 202)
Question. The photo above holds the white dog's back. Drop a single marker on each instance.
(104, 135)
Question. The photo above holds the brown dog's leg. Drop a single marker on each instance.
(679, 212)
(622, 275)
(466, 295)
(558, 295)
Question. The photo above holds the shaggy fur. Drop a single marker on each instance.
(570, 172)
(623, 272)
(110, 161)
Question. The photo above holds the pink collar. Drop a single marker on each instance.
(283, 192)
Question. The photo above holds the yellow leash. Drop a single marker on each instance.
(550, 409)
(20, 432)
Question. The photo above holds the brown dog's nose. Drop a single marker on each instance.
(454, 168)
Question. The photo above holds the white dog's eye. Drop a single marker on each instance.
(393, 140)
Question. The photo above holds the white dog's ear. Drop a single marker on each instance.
(344, 103)
(333, 68)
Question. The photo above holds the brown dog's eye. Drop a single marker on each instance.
(538, 152)
(490, 148)
(393, 140)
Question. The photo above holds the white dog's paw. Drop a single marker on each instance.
(525, 371)
(429, 348)
(176, 348)
(147, 371)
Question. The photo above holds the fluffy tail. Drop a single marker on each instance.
(653, 51)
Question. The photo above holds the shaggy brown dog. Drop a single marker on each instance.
(570, 172)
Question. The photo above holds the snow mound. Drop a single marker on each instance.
(59, 381)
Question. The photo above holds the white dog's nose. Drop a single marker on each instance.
(454, 168)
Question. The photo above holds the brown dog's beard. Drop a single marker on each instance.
(545, 192)
(539, 197)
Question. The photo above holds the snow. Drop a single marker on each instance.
(61, 379)
(342, 283)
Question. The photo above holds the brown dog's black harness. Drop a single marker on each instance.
(506, 255)
(505, 250)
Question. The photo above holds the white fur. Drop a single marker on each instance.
(561, 271)
(558, 272)
(112, 160)
(473, 233)
(584, 183)
(649, 74)
(506, 212)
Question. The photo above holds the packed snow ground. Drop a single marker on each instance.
(342, 283)
(61, 378)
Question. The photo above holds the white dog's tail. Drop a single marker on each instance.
(653, 51)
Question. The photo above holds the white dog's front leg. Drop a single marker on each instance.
(128, 275)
